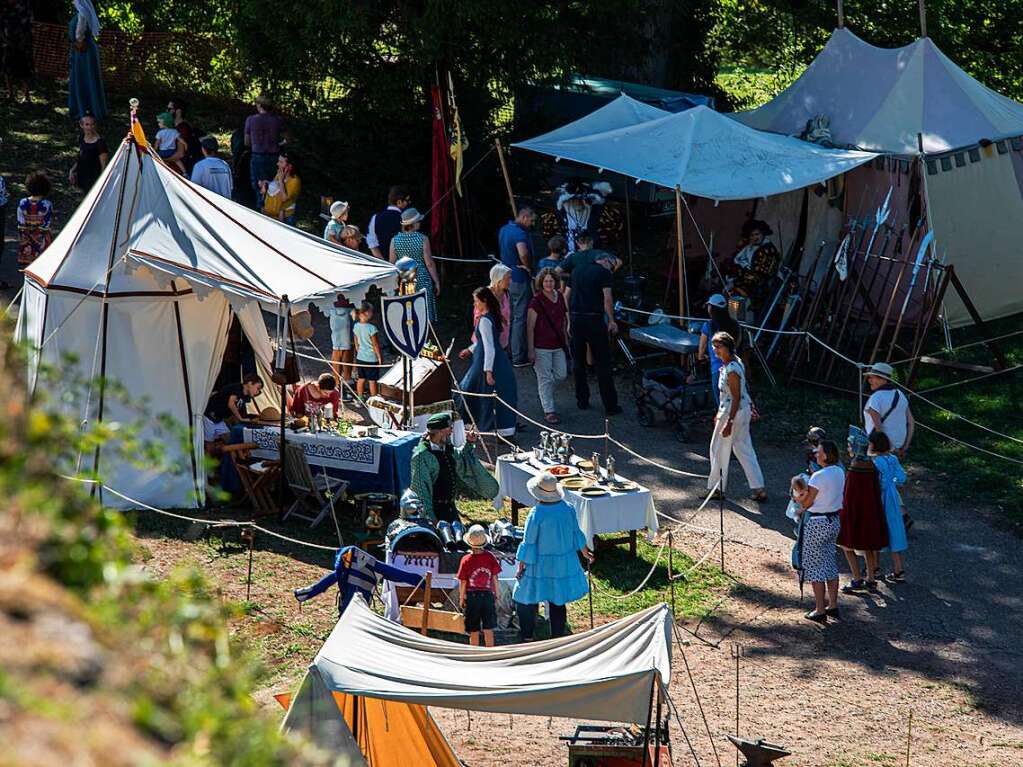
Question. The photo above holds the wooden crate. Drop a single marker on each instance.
(439, 620)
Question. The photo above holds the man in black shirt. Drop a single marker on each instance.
(591, 307)
(229, 402)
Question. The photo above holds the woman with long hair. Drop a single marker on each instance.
(280, 196)
(490, 370)
(547, 334)
(732, 423)
(500, 281)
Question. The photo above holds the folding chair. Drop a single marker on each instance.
(314, 495)
(258, 479)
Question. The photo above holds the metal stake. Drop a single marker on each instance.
(736, 653)
(671, 570)
(250, 535)
(721, 515)
(909, 736)
(589, 580)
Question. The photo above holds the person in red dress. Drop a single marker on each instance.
(864, 529)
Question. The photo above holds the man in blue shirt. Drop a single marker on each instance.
(516, 247)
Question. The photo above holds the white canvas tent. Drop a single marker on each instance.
(140, 288)
(607, 673)
(703, 152)
(914, 101)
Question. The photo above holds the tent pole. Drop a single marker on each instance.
(841, 15)
(649, 715)
(682, 297)
(657, 734)
(188, 397)
(628, 223)
(923, 17)
(282, 487)
(507, 179)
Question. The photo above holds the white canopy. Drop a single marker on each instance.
(701, 151)
(880, 99)
(179, 229)
(140, 288)
(604, 674)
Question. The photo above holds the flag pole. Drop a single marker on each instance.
(507, 180)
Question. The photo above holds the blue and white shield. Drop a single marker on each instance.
(406, 321)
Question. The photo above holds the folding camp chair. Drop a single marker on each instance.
(258, 479)
(314, 495)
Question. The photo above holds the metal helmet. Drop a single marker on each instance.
(410, 505)
(815, 435)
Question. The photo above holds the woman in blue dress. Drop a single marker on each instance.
(549, 569)
(411, 243)
(85, 77)
(890, 474)
(490, 371)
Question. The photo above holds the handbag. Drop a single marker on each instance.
(285, 368)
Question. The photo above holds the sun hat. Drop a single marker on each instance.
(337, 208)
(717, 300)
(410, 216)
(475, 536)
(166, 118)
(302, 324)
(545, 488)
(270, 414)
(881, 370)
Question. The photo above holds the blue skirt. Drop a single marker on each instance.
(489, 414)
(85, 80)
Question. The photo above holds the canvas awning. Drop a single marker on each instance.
(607, 673)
(702, 151)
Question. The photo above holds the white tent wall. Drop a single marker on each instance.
(30, 327)
(254, 327)
(975, 212)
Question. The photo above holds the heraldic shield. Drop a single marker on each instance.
(406, 321)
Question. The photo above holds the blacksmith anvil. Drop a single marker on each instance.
(758, 753)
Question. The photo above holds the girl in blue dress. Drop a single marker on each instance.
(891, 475)
(549, 569)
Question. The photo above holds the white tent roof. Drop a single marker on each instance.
(179, 229)
(620, 113)
(879, 99)
(603, 674)
(700, 150)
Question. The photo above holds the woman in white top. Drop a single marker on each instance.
(887, 409)
(822, 501)
(731, 425)
(490, 370)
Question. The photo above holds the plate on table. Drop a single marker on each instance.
(584, 465)
(563, 470)
(593, 491)
(624, 486)
(513, 457)
(574, 483)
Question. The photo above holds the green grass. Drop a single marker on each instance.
(967, 475)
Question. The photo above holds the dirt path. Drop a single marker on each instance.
(945, 644)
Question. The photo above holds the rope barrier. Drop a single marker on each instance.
(967, 444)
(7, 311)
(652, 462)
(992, 374)
(490, 260)
(642, 584)
(964, 346)
(494, 396)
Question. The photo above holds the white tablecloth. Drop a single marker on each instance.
(612, 513)
(330, 450)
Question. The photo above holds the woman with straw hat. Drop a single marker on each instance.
(887, 408)
(549, 569)
(411, 243)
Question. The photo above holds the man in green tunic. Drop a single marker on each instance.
(440, 470)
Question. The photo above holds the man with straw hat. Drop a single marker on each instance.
(549, 569)
(887, 408)
(440, 470)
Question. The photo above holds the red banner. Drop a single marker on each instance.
(441, 173)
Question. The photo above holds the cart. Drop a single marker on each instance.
(667, 389)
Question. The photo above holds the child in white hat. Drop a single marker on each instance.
(477, 576)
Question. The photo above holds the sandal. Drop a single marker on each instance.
(816, 617)
(760, 496)
(853, 587)
(899, 577)
(832, 612)
(552, 418)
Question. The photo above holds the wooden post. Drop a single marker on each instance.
(671, 569)
(923, 17)
(248, 534)
(282, 491)
(427, 596)
(841, 15)
(992, 347)
(909, 736)
(932, 315)
(507, 179)
(683, 308)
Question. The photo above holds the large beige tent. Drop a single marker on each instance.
(915, 102)
(608, 673)
(140, 288)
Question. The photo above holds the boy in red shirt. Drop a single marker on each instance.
(477, 575)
